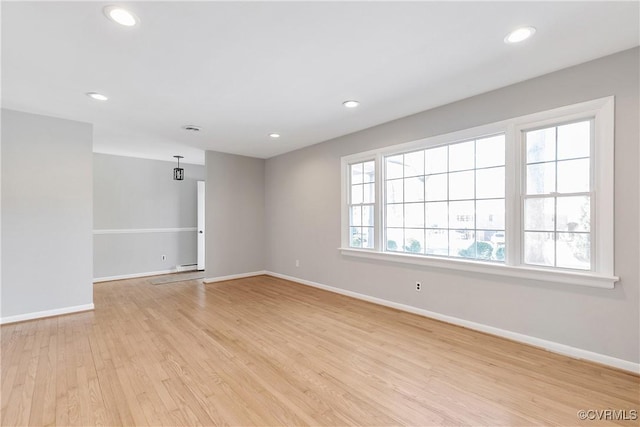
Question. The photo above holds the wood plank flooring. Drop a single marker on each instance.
(265, 351)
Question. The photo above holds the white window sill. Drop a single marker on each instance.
(531, 273)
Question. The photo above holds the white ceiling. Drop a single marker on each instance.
(242, 70)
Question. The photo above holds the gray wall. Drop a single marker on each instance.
(46, 213)
(135, 194)
(303, 220)
(235, 214)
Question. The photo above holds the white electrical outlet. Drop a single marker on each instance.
(297, 263)
(418, 286)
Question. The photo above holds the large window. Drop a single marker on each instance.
(448, 200)
(557, 199)
(530, 197)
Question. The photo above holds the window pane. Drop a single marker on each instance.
(356, 194)
(461, 243)
(394, 166)
(356, 173)
(539, 214)
(414, 240)
(369, 174)
(394, 191)
(437, 215)
(370, 171)
(539, 248)
(446, 178)
(490, 214)
(414, 163)
(573, 250)
(436, 187)
(395, 239)
(395, 215)
(437, 242)
(356, 237)
(541, 145)
(490, 151)
(573, 176)
(369, 193)
(461, 156)
(414, 215)
(461, 185)
(367, 237)
(574, 213)
(541, 178)
(356, 215)
(574, 140)
(436, 160)
(367, 216)
(461, 215)
(490, 183)
(414, 189)
(498, 241)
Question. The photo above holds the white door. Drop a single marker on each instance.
(201, 225)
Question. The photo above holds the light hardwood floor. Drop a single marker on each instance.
(265, 351)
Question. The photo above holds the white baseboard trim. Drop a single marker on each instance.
(555, 347)
(46, 313)
(183, 268)
(133, 276)
(234, 276)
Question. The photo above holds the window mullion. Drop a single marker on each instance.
(380, 196)
(346, 203)
(555, 204)
(514, 201)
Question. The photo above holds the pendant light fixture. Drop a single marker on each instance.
(178, 173)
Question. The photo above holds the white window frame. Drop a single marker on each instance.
(346, 195)
(347, 243)
(602, 158)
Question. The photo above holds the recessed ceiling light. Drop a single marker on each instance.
(191, 128)
(519, 35)
(351, 104)
(274, 135)
(121, 16)
(97, 96)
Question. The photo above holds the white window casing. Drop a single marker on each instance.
(601, 274)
